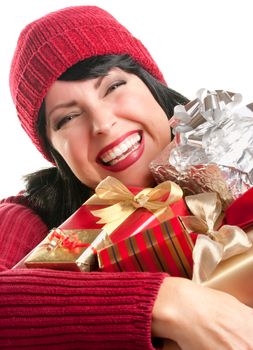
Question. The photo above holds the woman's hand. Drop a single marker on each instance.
(200, 318)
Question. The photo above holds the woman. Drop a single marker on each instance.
(94, 102)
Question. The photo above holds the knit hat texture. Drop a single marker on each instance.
(50, 45)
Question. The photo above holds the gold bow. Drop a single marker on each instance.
(212, 245)
(121, 202)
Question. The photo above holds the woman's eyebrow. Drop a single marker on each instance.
(99, 81)
(72, 103)
(62, 105)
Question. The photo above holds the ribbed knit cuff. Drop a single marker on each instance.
(46, 309)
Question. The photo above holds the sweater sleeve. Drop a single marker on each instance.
(47, 309)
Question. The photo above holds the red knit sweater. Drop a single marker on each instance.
(47, 309)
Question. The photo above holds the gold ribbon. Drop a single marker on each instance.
(121, 202)
(212, 245)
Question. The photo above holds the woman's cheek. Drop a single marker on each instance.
(128, 104)
(73, 151)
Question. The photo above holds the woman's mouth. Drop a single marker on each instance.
(122, 153)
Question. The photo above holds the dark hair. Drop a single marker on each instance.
(55, 193)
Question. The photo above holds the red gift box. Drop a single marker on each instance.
(240, 212)
(166, 247)
(138, 217)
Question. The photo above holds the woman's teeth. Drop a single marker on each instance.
(122, 150)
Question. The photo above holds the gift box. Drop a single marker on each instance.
(63, 250)
(235, 275)
(212, 147)
(123, 211)
(166, 247)
(223, 255)
(69, 246)
(113, 213)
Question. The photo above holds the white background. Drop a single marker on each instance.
(196, 43)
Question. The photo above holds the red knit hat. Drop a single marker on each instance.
(50, 45)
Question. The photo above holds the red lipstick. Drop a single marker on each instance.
(130, 159)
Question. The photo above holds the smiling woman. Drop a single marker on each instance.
(87, 121)
(95, 103)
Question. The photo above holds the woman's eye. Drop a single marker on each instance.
(114, 86)
(65, 120)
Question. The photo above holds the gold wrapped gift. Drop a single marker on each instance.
(235, 276)
(65, 250)
(222, 255)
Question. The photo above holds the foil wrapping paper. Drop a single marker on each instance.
(64, 250)
(212, 150)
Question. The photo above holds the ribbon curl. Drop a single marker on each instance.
(58, 238)
(209, 109)
(213, 245)
(121, 202)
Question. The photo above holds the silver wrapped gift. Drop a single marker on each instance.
(212, 149)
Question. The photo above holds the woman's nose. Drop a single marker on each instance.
(102, 122)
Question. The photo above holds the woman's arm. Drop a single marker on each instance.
(199, 318)
(71, 310)
(47, 309)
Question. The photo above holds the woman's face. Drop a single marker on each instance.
(110, 125)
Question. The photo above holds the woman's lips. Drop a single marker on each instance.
(123, 152)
